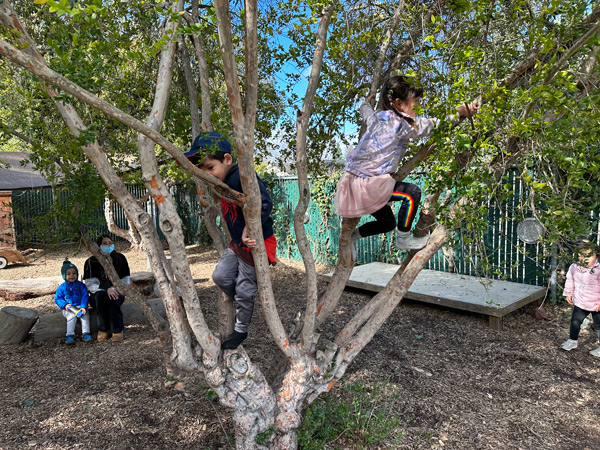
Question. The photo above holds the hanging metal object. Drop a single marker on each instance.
(530, 230)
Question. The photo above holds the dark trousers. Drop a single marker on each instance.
(577, 319)
(108, 312)
(410, 196)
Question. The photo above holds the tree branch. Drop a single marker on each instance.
(330, 299)
(392, 295)
(114, 229)
(110, 178)
(6, 129)
(170, 221)
(243, 128)
(191, 87)
(158, 324)
(45, 73)
(302, 122)
(404, 51)
(202, 69)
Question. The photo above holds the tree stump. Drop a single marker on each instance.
(143, 282)
(15, 290)
(15, 323)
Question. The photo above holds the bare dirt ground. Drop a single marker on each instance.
(448, 380)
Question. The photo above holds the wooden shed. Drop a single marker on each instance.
(7, 226)
(16, 173)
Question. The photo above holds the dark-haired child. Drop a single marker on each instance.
(582, 290)
(235, 273)
(72, 298)
(367, 185)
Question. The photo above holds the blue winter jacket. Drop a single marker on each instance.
(234, 214)
(74, 293)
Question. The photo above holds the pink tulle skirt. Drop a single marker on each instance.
(357, 196)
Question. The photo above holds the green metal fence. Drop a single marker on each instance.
(507, 258)
(34, 223)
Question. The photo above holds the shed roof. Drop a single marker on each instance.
(17, 176)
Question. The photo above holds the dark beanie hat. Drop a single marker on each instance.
(207, 143)
(66, 266)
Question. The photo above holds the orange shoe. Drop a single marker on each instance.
(117, 337)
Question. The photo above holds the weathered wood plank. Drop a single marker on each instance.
(493, 298)
(495, 323)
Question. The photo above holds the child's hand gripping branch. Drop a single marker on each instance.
(250, 243)
(470, 110)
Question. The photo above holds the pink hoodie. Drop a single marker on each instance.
(583, 285)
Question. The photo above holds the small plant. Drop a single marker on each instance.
(263, 437)
(208, 393)
(365, 420)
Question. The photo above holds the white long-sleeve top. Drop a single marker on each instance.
(385, 141)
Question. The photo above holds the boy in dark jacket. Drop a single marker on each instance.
(235, 273)
(72, 298)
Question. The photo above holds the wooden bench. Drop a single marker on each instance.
(493, 298)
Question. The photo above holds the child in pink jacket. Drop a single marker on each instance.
(582, 290)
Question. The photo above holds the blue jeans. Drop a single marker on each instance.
(108, 312)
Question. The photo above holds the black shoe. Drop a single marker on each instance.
(233, 341)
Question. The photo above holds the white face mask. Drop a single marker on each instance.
(107, 249)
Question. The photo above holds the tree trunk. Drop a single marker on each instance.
(132, 236)
(310, 370)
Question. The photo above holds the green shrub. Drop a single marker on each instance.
(364, 420)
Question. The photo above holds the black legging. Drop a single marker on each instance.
(410, 196)
(577, 319)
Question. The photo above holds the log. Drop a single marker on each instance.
(15, 290)
(15, 324)
(54, 326)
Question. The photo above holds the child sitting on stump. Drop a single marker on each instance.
(72, 298)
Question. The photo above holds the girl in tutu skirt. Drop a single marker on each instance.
(367, 185)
